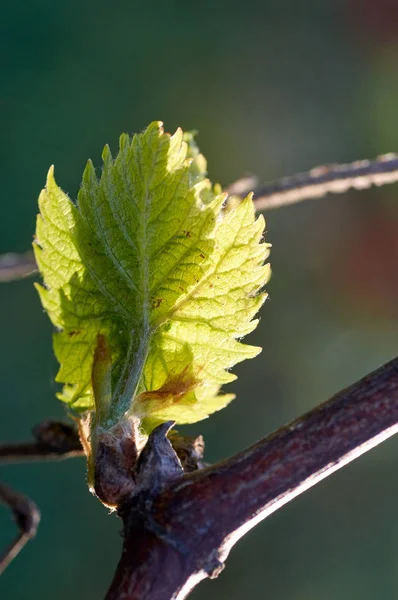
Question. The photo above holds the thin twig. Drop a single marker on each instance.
(334, 179)
(27, 518)
(316, 183)
(17, 266)
(33, 451)
(186, 533)
(54, 441)
(242, 186)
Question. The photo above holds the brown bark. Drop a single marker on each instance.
(179, 528)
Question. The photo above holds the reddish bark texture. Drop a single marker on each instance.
(180, 530)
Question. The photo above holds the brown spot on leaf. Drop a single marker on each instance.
(173, 389)
(156, 302)
(186, 233)
(73, 333)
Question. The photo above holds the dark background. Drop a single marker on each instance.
(274, 87)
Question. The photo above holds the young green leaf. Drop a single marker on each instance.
(149, 283)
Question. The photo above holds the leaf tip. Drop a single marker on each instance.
(124, 141)
(106, 154)
(155, 127)
(50, 177)
(89, 176)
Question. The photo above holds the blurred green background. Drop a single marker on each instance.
(274, 87)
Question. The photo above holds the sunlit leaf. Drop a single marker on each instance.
(149, 283)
